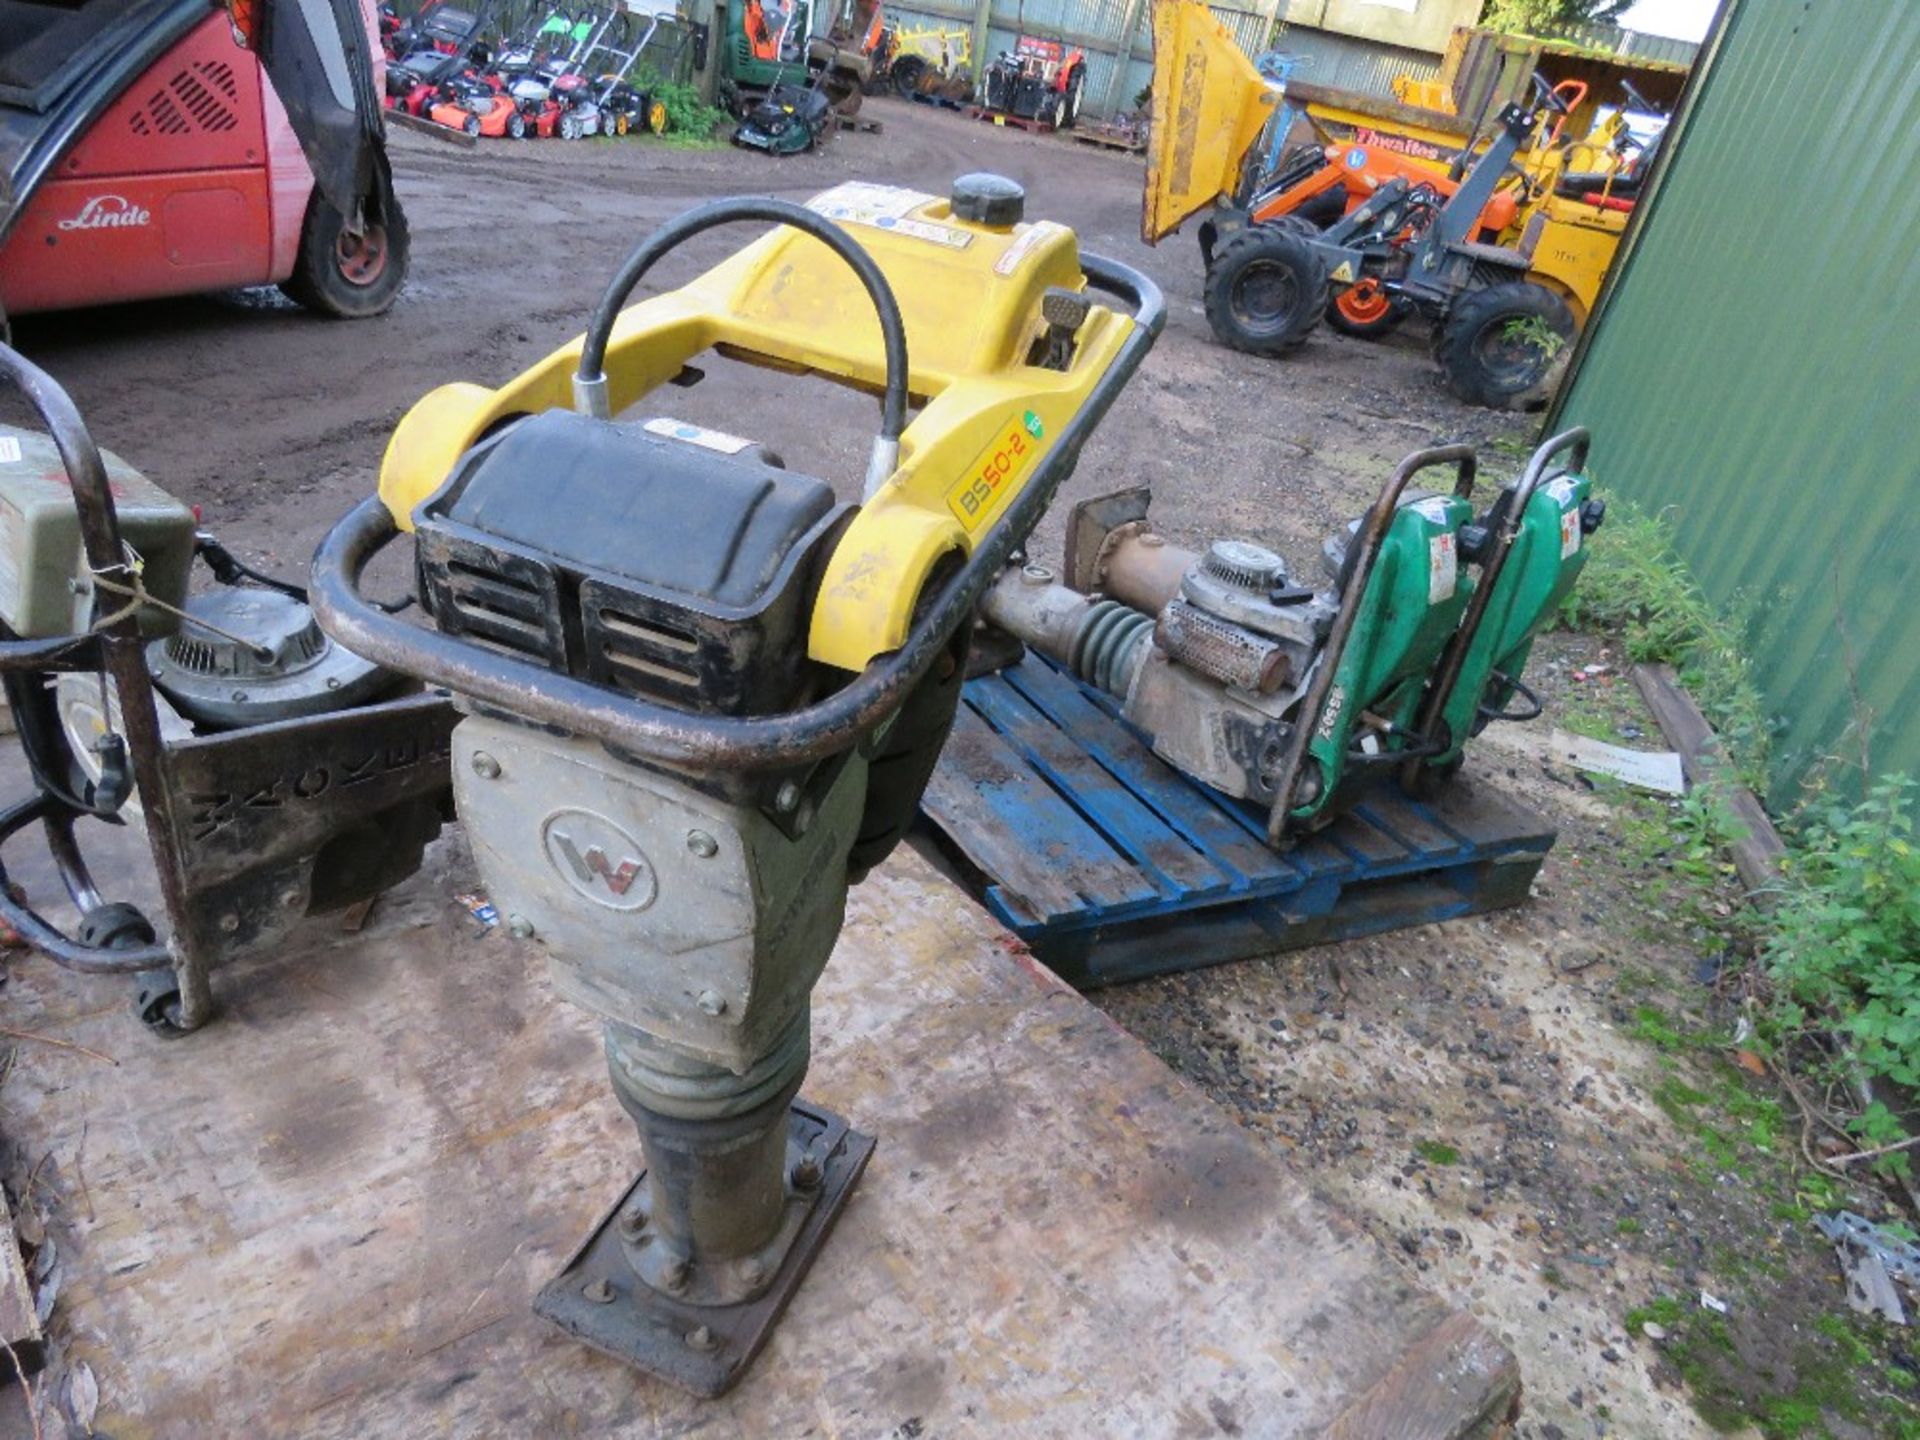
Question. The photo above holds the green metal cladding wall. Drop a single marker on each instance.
(1757, 368)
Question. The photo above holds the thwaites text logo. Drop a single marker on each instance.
(108, 212)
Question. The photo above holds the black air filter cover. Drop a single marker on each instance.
(648, 564)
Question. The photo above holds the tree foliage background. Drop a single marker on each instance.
(1533, 17)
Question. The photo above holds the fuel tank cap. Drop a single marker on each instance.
(988, 199)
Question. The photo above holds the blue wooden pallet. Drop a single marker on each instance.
(1112, 865)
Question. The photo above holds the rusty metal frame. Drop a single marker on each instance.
(228, 817)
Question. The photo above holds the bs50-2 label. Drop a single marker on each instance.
(1004, 460)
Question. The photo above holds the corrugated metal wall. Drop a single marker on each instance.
(1348, 63)
(1629, 42)
(1096, 25)
(1757, 366)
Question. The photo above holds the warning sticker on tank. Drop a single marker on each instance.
(1443, 567)
(1007, 456)
(1563, 493)
(1569, 533)
(698, 435)
(885, 207)
(9, 449)
(862, 200)
(1029, 240)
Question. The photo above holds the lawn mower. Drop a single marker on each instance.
(469, 103)
(703, 694)
(791, 119)
(1038, 80)
(145, 151)
(1299, 697)
(769, 43)
(272, 774)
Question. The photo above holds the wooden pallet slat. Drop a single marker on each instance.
(1061, 786)
(1176, 867)
(1200, 817)
(1014, 827)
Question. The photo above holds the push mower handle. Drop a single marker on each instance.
(676, 737)
(590, 383)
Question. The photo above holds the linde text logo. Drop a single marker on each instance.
(107, 212)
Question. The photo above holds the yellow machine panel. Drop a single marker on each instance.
(970, 296)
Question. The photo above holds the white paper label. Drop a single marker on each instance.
(1024, 245)
(1443, 567)
(9, 449)
(1648, 769)
(698, 435)
(885, 207)
(1569, 533)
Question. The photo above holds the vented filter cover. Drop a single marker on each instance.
(287, 666)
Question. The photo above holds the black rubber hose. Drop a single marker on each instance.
(893, 330)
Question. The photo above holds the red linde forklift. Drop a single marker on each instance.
(169, 147)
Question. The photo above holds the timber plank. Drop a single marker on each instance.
(326, 1215)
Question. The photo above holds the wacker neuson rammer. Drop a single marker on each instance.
(703, 695)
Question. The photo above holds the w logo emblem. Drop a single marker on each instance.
(582, 847)
(594, 862)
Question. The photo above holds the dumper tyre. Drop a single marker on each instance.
(344, 276)
(1266, 289)
(906, 75)
(1501, 344)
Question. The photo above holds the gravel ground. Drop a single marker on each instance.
(1494, 1097)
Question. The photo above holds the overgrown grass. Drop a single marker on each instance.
(1843, 946)
(1637, 590)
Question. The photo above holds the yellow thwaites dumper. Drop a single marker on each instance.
(704, 693)
(1545, 253)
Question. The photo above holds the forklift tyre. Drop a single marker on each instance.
(1266, 289)
(348, 279)
(1491, 349)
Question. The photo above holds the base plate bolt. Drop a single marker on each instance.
(633, 1223)
(673, 1276)
(752, 1270)
(700, 1338)
(711, 1003)
(786, 797)
(805, 1173)
(600, 1291)
(485, 766)
(702, 844)
(520, 927)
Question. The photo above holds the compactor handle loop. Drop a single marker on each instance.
(590, 382)
(662, 734)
